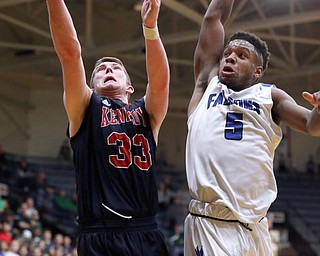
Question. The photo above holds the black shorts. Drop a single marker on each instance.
(134, 237)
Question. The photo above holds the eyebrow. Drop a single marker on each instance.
(238, 46)
(103, 65)
(254, 51)
(113, 65)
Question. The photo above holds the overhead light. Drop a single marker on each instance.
(137, 6)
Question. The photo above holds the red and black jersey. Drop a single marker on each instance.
(114, 155)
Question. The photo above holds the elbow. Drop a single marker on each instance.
(314, 131)
(210, 18)
(313, 123)
(221, 10)
(69, 51)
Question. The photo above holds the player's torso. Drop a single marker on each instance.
(116, 151)
(230, 146)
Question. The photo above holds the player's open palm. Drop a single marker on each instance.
(149, 12)
(313, 99)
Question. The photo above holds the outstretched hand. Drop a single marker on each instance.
(149, 12)
(313, 99)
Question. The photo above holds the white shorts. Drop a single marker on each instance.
(209, 237)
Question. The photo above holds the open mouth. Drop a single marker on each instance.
(228, 69)
(109, 78)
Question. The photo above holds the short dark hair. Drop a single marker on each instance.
(260, 45)
(109, 59)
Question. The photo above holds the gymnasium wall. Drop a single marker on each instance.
(33, 122)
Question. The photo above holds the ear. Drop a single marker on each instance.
(258, 72)
(130, 89)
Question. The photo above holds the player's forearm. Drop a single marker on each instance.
(313, 124)
(211, 40)
(63, 33)
(157, 65)
(156, 58)
(157, 94)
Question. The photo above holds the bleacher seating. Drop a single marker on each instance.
(298, 197)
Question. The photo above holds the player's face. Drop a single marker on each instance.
(110, 80)
(240, 65)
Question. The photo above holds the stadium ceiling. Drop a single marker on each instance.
(113, 27)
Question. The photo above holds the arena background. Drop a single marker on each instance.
(32, 118)
(33, 121)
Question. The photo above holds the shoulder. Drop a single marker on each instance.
(279, 95)
(267, 85)
(137, 103)
(281, 101)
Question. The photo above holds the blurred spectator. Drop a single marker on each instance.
(164, 194)
(26, 219)
(38, 182)
(36, 236)
(24, 174)
(65, 152)
(21, 221)
(2, 157)
(47, 238)
(58, 239)
(184, 194)
(13, 249)
(168, 181)
(41, 191)
(74, 252)
(6, 213)
(161, 158)
(67, 244)
(24, 250)
(175, 213)
(31, 211)
(4, 172)
(21, 230)
(3, 248)
(65, 203)
(74, 197)
(310, 166)
(26, 226)
(36, 251)
(57, 247)
(5, 232)
(176, 240)
(25, 237)
(282, 164)
(33, 215)
(41, 245)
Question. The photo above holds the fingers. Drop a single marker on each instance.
(312, 99)
(154, 2)
(150, 12)
(308, 96)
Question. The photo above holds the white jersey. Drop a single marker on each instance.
(230, 149)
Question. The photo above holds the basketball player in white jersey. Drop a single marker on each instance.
(233, 131)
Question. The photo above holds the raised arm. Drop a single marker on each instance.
(297, 117)
(209, 47)
(157, 92)
(76, 92)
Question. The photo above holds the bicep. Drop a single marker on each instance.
(206, 58)
(76, 92)
(286, 110)
(209, 47)
(156, 103)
